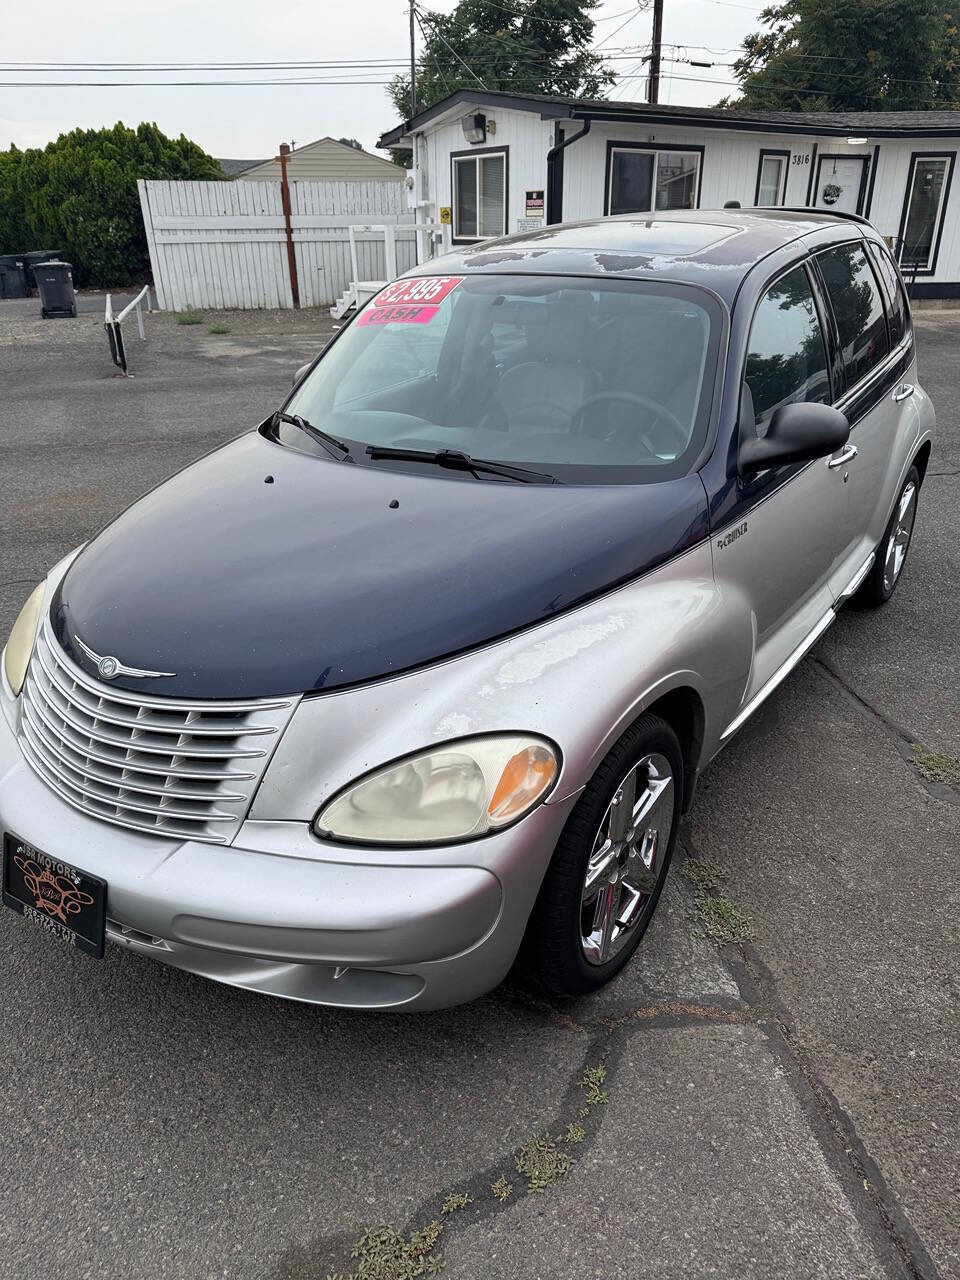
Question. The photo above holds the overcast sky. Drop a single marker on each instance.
(249, 122)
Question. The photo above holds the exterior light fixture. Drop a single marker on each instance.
(474, 127)
(855, 142)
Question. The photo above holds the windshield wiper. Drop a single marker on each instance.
(329, 442)
(457, 460)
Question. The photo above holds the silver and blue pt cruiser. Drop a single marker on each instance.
(419, 676)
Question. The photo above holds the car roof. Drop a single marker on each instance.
(714, 248)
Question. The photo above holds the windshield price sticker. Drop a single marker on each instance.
(411, 301)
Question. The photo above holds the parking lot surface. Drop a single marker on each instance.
(784, 1107)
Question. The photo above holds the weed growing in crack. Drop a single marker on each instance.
(385, 1254)
(592, 1079)
(190, 316)
(716, 916)
(944, 769)
(542, 1163)
(705, 876)
(454, 1201)
(721, 919)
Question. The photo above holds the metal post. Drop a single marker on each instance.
(653, 94)
(288, 226)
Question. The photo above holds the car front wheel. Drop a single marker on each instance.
(610, 864)
(880, 583)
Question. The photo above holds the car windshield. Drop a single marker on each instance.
(585, 380)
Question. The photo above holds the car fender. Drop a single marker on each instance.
(578, 680)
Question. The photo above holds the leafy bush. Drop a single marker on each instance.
(79, 194)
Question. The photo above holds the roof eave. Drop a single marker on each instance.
(721, 119)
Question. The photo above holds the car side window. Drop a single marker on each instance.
(896, 298)
(786, 356)
(855, 297)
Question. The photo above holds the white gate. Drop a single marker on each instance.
(223, 244)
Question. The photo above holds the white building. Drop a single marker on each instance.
(496, 163)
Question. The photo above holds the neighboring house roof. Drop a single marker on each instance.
(232, 167)
(327, 160)
(549, 106)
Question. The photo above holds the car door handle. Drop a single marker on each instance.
(841, 459)
(904, 390)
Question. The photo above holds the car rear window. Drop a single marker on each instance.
(896, 299)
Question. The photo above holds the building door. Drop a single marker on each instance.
(841, 183)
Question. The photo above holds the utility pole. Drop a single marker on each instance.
(653, 92)
(413, 62)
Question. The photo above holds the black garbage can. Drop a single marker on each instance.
(32, 259)
(13, 276)
(55, 283)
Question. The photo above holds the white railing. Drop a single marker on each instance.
(429, 236)
(112, 323)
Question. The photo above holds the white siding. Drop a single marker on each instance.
(327, 161)
(730, 164)
(526, 139)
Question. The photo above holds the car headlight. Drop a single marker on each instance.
(16, 655)
(452, 792)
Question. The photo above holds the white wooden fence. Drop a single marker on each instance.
(223, 244)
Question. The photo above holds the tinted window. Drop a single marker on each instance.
(786, 359)
(855, 297)
(896, 301)
(608, 381)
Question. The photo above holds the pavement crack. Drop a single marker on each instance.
(908, 745)
(836, 1133)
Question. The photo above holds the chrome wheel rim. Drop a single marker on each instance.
(899, 539)
(627, 858)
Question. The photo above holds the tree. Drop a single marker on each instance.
(851, 55)
(79, 194)
(524, 46)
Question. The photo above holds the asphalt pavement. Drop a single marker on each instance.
(785, 1107)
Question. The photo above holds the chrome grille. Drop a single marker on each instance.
(180, 769)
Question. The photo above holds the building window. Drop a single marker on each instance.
(643, 179)
(772, 178)
(479, 195)
(926, 200)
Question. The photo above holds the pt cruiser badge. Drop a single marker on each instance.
(445, 685)
(109, 668)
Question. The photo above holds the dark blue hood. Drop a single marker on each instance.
(250, 589)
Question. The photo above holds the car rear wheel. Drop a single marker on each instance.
(881, 582)
(610, 864)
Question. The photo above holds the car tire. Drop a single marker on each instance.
(588, 922)
(881, 582)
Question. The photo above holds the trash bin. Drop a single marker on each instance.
(32, 259)
(13, 276)
(55, 282)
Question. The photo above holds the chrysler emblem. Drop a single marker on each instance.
(108, 668)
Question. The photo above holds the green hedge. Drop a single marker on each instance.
(79, 194)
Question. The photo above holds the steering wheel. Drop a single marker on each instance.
(660, 411)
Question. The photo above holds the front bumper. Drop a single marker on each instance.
(281, 912)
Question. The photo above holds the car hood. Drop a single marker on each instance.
(263, 570)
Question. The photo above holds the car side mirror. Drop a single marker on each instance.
(301, 372)
(797, 433)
